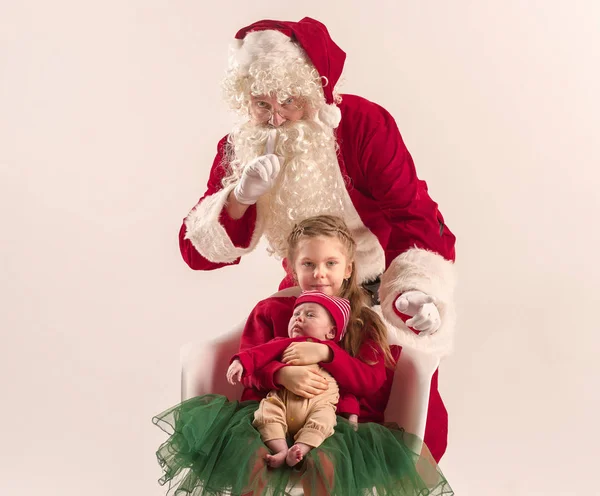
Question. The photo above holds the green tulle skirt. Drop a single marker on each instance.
(213, 449)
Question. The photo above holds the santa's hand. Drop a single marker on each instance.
(425, 317)
(234, 372)
(259, 175)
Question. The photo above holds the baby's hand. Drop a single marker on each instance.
(234, 372)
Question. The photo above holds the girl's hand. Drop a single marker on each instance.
(302, 381)
(234, 372)
(306, 353)
(353, 419)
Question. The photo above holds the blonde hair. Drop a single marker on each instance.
(361, 316)
(269, 62)
(285, 70)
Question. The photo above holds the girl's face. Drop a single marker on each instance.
(322, 265)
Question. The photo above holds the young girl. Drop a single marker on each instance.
(214, 445)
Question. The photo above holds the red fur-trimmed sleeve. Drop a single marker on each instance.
(428, 272)
(209, 238)
(420, 248)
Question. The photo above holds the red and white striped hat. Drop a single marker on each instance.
(339, 308)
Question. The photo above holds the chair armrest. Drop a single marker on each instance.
(409, 396)
(205, 362)
(204, 365)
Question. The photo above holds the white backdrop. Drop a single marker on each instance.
(109, 117)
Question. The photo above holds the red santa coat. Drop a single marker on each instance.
(371, 384)
(398, 228)
(256, 358)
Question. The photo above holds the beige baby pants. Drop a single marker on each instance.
(308, 421)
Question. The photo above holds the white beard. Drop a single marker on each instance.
(309, 182)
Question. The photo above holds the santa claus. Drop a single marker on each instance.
(305, 150)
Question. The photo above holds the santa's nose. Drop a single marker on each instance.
(276, 119)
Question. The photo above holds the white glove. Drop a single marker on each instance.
(422, 309)
(259, 175)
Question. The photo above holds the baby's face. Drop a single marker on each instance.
(311, 320)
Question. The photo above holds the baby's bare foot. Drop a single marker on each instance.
(296, 453)
(277, 459)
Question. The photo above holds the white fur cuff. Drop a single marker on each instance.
(209, 237)
(422, 270)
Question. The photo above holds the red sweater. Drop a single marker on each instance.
(258, 357)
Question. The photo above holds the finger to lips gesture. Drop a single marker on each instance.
(258, 176)
(270, 145)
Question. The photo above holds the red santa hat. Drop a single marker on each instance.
(339, 308)
(327, 58)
